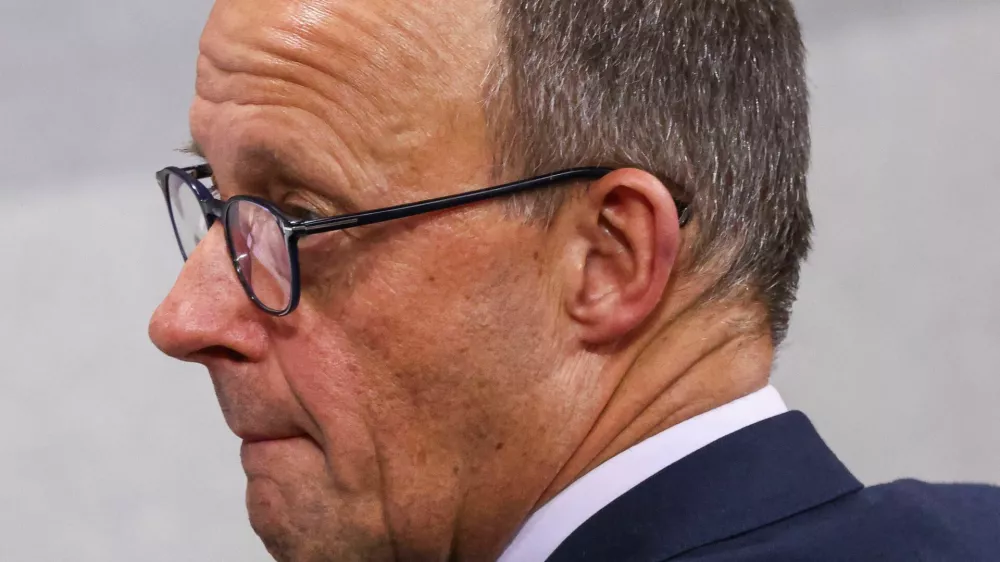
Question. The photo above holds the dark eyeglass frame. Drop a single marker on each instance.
(215, 209)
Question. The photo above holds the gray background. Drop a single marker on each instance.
(110, 452)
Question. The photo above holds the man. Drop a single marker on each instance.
(573, 367)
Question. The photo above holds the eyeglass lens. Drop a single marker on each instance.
(186, 213)
(260, 253)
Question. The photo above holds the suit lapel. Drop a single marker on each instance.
(756, 476)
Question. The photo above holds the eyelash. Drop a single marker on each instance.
(294, 212)
(301, 213)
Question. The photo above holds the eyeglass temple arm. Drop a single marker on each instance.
(451, 201)
(204, 171)
(447, 202)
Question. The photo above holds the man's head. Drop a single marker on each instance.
(444, 373)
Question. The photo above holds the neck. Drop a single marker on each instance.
(691, 366)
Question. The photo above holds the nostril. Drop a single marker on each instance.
(222, 352)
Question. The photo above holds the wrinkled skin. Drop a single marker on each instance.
(442, 374)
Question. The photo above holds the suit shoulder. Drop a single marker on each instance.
(958, 508)
(902, 520)
(945, 521)
(910, 490)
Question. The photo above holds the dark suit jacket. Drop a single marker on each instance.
(775, 492)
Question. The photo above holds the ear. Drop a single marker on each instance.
(625, 238)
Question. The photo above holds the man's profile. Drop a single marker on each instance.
(504, 279)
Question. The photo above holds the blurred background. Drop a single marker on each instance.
(111, 452)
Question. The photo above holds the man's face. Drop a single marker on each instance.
(399, 405)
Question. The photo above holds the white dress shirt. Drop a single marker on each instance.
(555, 521)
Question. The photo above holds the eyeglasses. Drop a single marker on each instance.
(263, 241)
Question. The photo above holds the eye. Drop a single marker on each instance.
(295, 212)
(213, 187)
(300, 214)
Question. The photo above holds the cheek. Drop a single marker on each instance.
(452, 325)
(325, 373)
(431, 339)
(428, 368)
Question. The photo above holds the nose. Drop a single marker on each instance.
(207, 310)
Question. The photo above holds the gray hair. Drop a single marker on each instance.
(708, 95)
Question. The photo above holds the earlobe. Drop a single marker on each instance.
(627, 240)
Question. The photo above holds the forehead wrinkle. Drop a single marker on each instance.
(438, 59)
(397, 60)
(269, 75)
(349, 53)
(337, 167)
(388, 82)
(249, 76)
(390, 37)
(342, 82)
(267, 85)
(324, 156)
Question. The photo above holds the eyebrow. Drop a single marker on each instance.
(193, 148)
(256, 165)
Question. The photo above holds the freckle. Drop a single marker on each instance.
(499, 446)
(431, 279)
(536, 256)
(455, 470)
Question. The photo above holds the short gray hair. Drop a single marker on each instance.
(708, 95)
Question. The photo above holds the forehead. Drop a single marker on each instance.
(383, 36)
(371, 69)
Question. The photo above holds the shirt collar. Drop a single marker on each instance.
(548, 527)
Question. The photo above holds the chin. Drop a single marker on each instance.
(300, 516)
(270, 518)
(295, 528)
